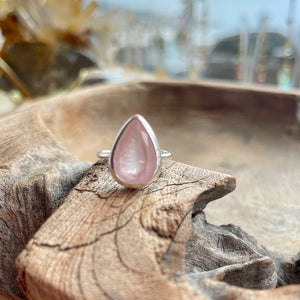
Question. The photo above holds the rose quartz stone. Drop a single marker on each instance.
(134, 158)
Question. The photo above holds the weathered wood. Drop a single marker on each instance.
(223, 291)
(39, 144)
(36, 173)
(108, 242)
(241, 131)
(229, 254)
(227, 250)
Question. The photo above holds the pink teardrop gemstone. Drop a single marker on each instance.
(134, 158)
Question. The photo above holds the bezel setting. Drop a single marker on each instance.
(157, 149)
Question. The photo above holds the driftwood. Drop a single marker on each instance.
(229, 254)
(36, 173)
(39, 167)
(117, 243)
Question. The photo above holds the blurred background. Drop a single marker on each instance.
(50, 46)
(249, 42)
(242, 119)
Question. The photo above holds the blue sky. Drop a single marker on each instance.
(224, 15)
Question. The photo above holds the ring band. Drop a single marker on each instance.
(106, 153)
(135, 159)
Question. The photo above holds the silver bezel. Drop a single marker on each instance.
(156, 147)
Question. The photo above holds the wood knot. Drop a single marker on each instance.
(163, 219)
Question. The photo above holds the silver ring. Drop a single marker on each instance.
(135, 159)
(106, 153)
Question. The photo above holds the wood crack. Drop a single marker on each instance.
(10, 229)
(60, 248)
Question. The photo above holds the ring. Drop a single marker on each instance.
(135, 159)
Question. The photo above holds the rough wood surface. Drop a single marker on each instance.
(250, 133)
(229, 254)
(35, 174)
(41, 145)
(109, 242)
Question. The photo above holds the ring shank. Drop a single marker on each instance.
(103, 153)
(106, 153)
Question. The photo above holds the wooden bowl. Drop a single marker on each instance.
(251, 133)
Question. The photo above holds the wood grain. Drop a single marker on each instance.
(247, 132)
(227, 253)
(35, 174)
(109, 242)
